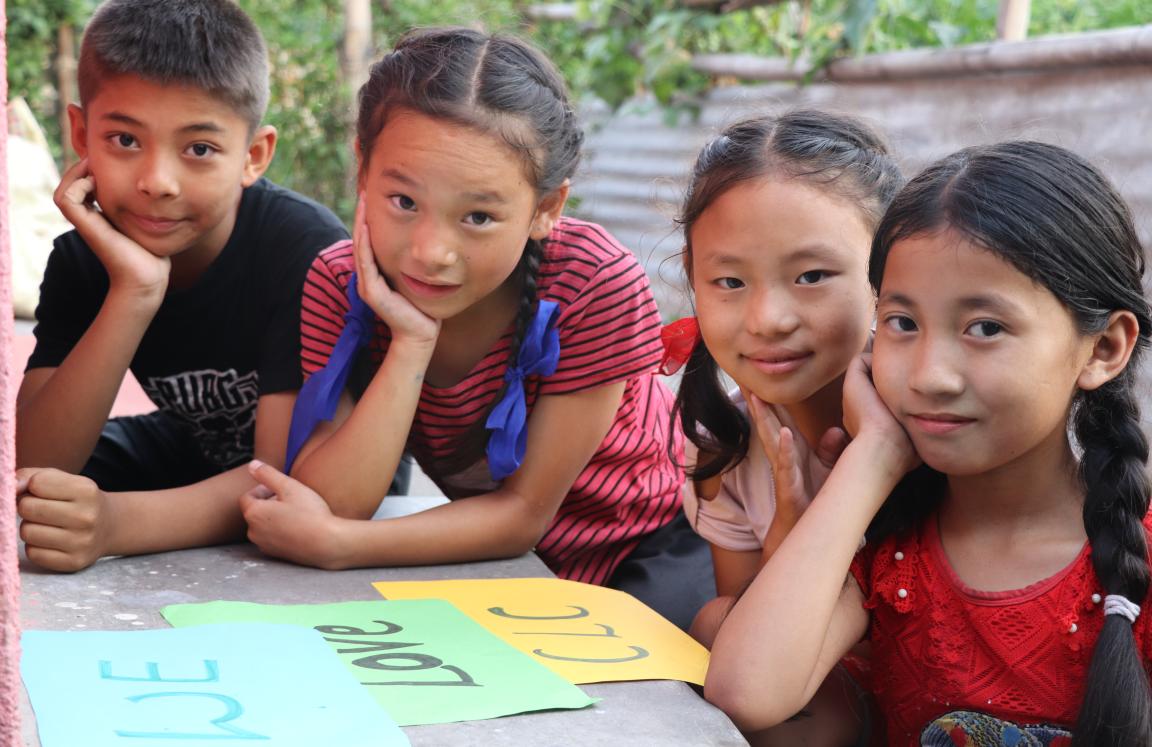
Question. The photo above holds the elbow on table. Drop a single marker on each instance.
(525, 525)
(523, 538)
(750, 708)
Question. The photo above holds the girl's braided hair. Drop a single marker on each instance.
(496, 84)
(1055, 218)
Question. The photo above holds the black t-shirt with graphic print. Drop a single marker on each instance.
(214, 348)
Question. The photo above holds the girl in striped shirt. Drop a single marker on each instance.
(510, 349)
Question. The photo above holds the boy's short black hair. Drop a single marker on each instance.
(210, 44)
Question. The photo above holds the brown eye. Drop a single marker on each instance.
(985, 329)
(811, 277)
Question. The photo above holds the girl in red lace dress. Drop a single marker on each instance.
(1002, 579)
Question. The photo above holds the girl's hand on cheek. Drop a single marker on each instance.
(867, 418)
(404, 320)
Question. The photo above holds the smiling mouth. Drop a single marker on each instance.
(940, 423)
(155, 225)
(428, 290)
(779, 364)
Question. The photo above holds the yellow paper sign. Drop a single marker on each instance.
(582, 632)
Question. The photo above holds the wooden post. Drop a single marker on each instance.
(357, 52)
(66, 89)
(9, 577)
(356, 58)
(1012, 23)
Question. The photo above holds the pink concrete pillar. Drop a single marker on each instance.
(9, 578)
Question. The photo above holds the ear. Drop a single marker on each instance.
(548, 212)
(1111, 351)
(79, 130)
(260, 152)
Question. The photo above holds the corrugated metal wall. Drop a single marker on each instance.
(633, 174)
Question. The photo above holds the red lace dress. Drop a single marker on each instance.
(940, 646)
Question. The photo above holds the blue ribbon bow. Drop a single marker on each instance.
(539, 355)
(321, 393)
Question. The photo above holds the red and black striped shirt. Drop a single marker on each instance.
(609, 332)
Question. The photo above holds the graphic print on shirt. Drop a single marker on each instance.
(219, 406)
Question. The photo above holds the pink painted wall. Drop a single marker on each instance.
(9, 579)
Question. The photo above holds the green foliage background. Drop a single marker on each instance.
(614, 50)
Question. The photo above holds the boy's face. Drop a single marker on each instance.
(169, 163)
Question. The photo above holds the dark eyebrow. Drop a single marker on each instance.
(896, 298)
(724, 259)
(487, 197)
(992, 302)
(817, 252)
(194, 127)
(989, 302)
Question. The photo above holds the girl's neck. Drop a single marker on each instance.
(823, 410)
(466, 338)
(1040, 487)
(1012, 527)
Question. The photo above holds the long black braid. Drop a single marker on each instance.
(1056, 219)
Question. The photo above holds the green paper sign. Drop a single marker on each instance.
(423, 660)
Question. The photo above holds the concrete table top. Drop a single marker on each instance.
(127, 593)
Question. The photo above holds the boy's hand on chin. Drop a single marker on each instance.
(131, 267)
(67, 519)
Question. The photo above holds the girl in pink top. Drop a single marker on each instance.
(777, 224)
(511, 350)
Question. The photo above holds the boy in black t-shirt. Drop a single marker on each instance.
(185, 266)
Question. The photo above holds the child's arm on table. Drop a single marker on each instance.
(61, 411)
(564, 433)
(804, 595)
(69, 523)
(351, 459)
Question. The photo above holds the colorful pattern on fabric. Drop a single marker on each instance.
(969, 729)
(939, 646)
(609, 331)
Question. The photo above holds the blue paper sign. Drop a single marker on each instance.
(208, 685)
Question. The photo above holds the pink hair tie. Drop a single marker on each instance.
(679, 338)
